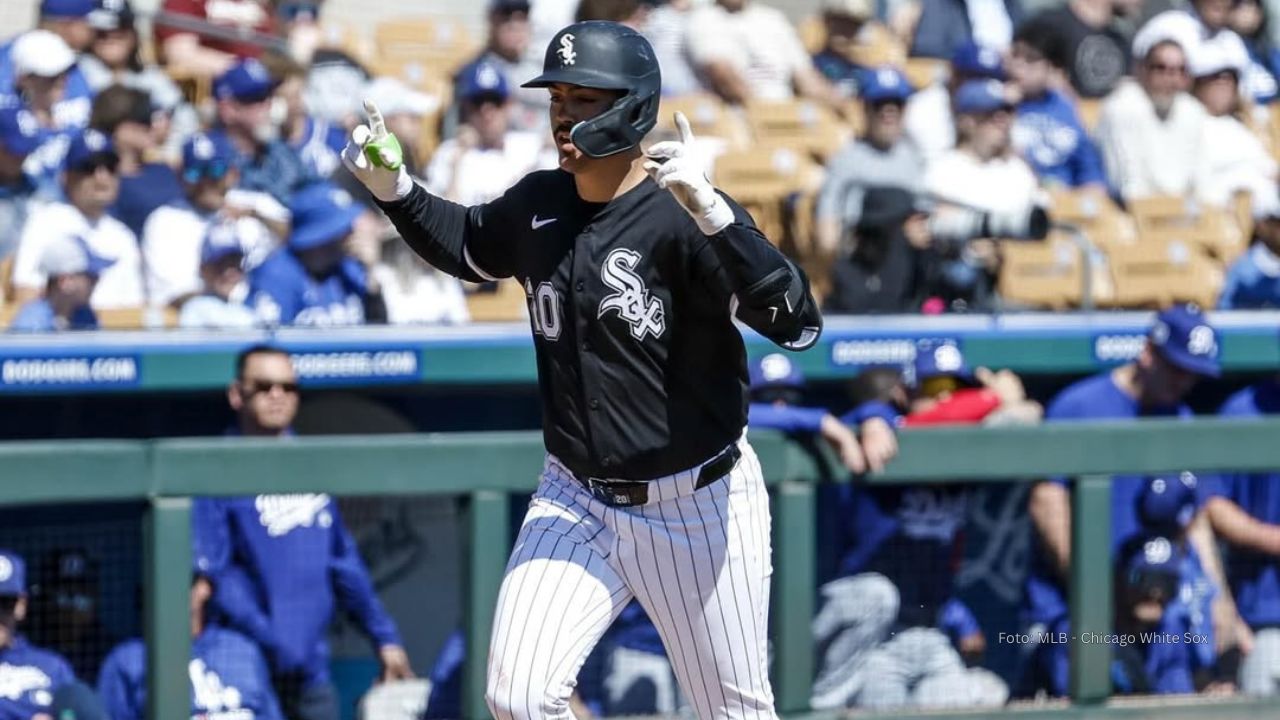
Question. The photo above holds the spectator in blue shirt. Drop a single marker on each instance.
(1181, 348)
(315, 281)
(68, 20)
(267, 165)
(125, 115)
(280, 565)
(1253, 281)
(1047, 131)
(19, 137)
(40, 64)
(1246, 515)
(946, 25)
(842, 21)
(73, 270)
(229, 676)
(317, 142)
(37, 684)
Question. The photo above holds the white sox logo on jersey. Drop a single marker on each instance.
(632, 300)
(566, 51)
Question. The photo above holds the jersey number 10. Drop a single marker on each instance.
(544, 309)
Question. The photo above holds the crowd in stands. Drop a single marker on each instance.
(913, 156)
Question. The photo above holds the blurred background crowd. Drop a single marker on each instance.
(180, 166)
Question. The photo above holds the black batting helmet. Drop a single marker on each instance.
(606, 56)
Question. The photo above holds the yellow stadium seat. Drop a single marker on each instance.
(1154, 274)
(505, 304)
(800, 124)
(1048, 274)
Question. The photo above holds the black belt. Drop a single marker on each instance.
(629, 493)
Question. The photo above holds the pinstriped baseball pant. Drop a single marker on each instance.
(698, 562)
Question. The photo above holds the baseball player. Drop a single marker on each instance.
(635, 268)
(1246, 515)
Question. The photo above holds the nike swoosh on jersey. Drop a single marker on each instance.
(539, 223)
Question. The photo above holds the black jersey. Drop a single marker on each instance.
(641, 369)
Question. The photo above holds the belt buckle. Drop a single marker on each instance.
(612, 496)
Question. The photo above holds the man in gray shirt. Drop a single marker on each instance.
(882, 157)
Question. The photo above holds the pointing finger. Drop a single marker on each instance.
(376, 123)
(682, 127)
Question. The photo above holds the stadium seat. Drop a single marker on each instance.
(876, 46)
(506, 303)
(1048, 274)
(138, 318)
(1094, 213)
(775, 184)
(799, 124)
(1169, 218)
(347, 38)
(1155, 273)
(708, 117)
(923, 72)
(439, 44)
(1090, 110)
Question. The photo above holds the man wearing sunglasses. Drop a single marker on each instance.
(280, 565)
(172, 235)
(1150, 128)
(91, 182)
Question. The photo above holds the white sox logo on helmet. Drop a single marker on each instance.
(632, 300)
(566, 51)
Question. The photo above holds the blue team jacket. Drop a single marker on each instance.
(229, 679)
(281, 565)
(28, 678)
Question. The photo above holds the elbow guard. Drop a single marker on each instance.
(780, 307)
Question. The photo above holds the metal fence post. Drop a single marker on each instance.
(489, 545)
(794, 571)
(167, 603)
(1090, 595)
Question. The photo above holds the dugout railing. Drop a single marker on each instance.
(488, 467)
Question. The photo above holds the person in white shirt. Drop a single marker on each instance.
(1205, 25)
(981, 176)
(749, 51)
(1232, 157)
(1150, 129)
(485, 157)
(928, 120)
(91, 183)
(173, 233)
(415, 292)
(220, 304)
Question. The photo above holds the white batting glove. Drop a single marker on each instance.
(374, 156)
(673, 168)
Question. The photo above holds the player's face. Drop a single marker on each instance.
(570, 105)
(13, 609)
(268, 392)
(1166, 384)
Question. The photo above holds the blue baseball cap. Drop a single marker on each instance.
(208, 155)
(936, 360)
(775, 370)
(482, 80)
(884, 83)
(66, 9)
(90, 149)
(1167, 503)
(1151, 561)
(111, 15)
(975, 61)
(19, 131)
(322, 213)
(13, 574)
(1183, 336)
(248, 81)
(980, 96)
(220, 241)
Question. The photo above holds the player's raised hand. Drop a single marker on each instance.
(673, 168)
(374, 156)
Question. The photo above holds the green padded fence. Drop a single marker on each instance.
(167, 473)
